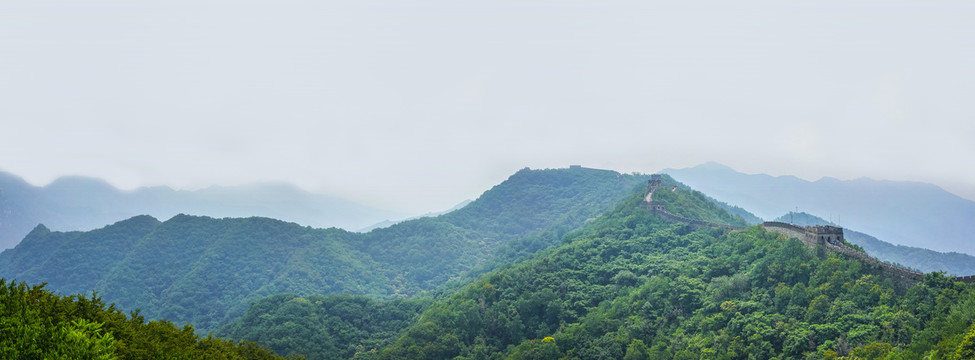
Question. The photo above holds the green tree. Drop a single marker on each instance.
(637, 350)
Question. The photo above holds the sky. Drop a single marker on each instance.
(415, 106)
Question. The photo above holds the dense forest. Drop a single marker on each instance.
(631, 286)
(325, 326)
(37, 324)
(205, 271)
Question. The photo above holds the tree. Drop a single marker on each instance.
(966, 350)
(637, 350)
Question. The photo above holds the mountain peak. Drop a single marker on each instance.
(6, 177)
(714, 166)
(82, 183)
(39, 230)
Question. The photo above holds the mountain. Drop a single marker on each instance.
(80, 203)
(573, 265)
(206, 271)
(923, 260)
(631, 285)
(903, 213)
(388, 223)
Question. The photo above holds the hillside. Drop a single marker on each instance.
(632, 286)
(38, 324)
(622, 283)
(912, 257)
(74, 262)
(903, 213)
(80, 203)
(206, 271)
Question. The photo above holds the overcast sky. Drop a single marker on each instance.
(417, 105)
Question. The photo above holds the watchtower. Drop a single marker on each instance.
(654, 182)
(652, 185)
(825, 234)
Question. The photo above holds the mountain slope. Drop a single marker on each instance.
(324, 326)
(203, 270)
(80, 203)
(903, 213)
(206, 271)
(264, 320)
(632, 286)
(40, 325)
(74, 262)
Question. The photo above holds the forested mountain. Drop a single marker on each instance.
(900, 212)
(74, 262)
(924, 260)
(632, 286)
(80, 203)
(206, 271)
(625, 285)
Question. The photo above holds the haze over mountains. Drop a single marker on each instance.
(206, 271)
(82, 203)
(548, 264)
(903, 213)
(917, 258)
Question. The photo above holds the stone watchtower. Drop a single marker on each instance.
(825, 234)
(652, 185)
(654, 182)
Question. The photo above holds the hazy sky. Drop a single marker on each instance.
(417, 105)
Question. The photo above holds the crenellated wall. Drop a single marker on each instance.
(830, 237)
(792, 231)
(661, 211)
(822, 235)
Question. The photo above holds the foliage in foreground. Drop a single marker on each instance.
(36, 324)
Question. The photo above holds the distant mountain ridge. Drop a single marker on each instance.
(388, 223)
(904, 213)
(921, 259)
(206, 271)
(82, 203)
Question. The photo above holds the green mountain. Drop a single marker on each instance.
(567, 279)
(205, 271)
(912, 257)
(630, 285)
(273, 321)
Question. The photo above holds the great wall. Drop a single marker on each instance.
(830, 237)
